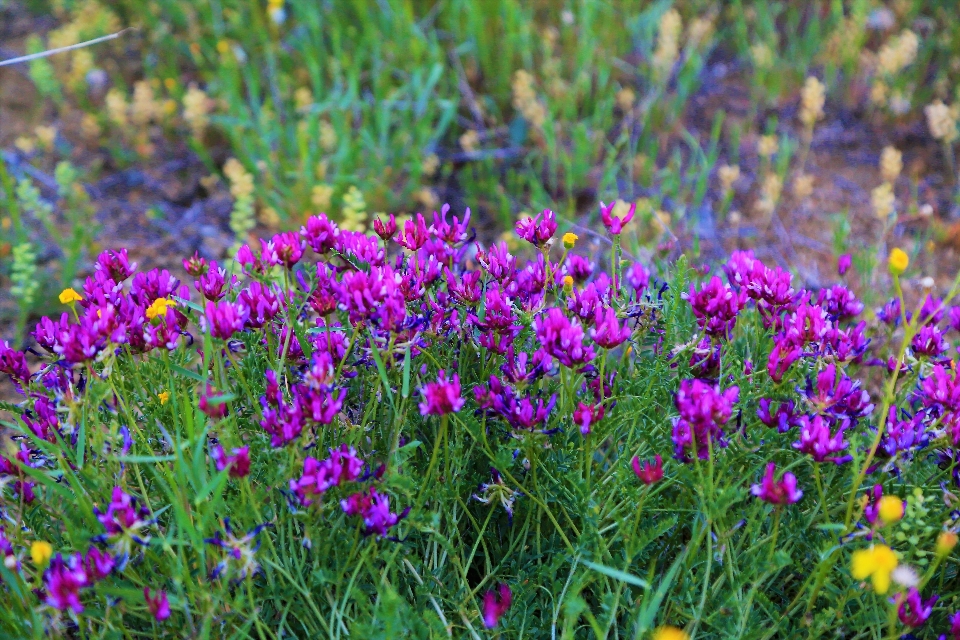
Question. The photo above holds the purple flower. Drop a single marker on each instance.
(223, 319)
(414, 234)
(890, 312)
(606, 331)
(913, 611)
(386, 230)
(374, 508)
(955, 625)
(704, 409)
(195, 265)
(777, 492)
(579, 268)
(715, 306)
(522, 413)
(238, 461)
(872, 510)
(212, 283)
(783, 418)
(14, 364)
(940, 390)
(156, 283)
(211, 403)
(838, 396)
(241, 551)
(158, 605)
(613, 223)
(98, 564)
(539, 229)
(839, 302)
(441, 397)
(562, 338)
(454, 233)
(263, 301)
(289, 248)
(586, 415)
(648, 473)
(495, 605)
(123, 520)
(116, 265)
(844, 263)
(637, 276)
(318, 476)
(903, 435)
(929, 342)
(320, 233)
(816, 440)
(63, 580)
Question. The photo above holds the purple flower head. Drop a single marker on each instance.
(838, 396)
(940, 390)
(777, 492)
(847, 345)
(498, 262)
(263, 301)
(816, 440)
(715, 306)
(156, 283)
(783, 355)
(386, 230)
(783, 418)
(240, 551)
(320, 233)
(871, 512)
(955, 625)
(319, 476)
(116, 265)
(14, 364)
(637, 276)
(929, 342)
(223, 319)
(495, 605)
(890, 312)
(361, 247)
(613, 223)
(839, 302)
(808, 324)
(913, 611)
(704, 409)
(844, 263)
(903, 435)
(455, 233)
(123, 521)
(648, 473)
(523, 368)
(238, 461)
(374, 508)
(705, 359)
(98, 564)
(606, 331)
(562, 338)
(288, 248)
(212, 283)
(539, 229)
(211, 403)
(441, 397)
(740, 268)
(414, 234)
(158, 605)
(932, 310)
(195, 266)
(579, 268)
(63, 580)
(586, 415)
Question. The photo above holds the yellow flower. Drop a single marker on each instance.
(69, 296)
(670, 633)
(164, 397)
(40, 552)
(946, 541)
(876, 563)
(570, 240)
(159, 307)
(898, 261)
(891, 509)
(568, 284)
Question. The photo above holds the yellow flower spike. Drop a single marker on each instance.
(69, 296)
(164, 397)
(40, 552)
(891, 509)
(570, 240)
(946, 541)
(670, 633)
(898, 261)
(159, 307)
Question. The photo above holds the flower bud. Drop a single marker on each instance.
(898, 261)
(570, 240)
(891, 509)
(946, 541)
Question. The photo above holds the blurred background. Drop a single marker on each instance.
(802, 130)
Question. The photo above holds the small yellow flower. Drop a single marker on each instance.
(891, 509)
(164, 397)
(946, 541)
(69, 296)
(40, 552)
(670, 633)
(876, 563)
(898, 261)
(159, 307)
(570, 240)
(568, 284)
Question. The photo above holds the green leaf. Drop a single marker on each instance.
(616, 574)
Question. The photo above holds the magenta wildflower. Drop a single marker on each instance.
(14, 364)
(539, 229)
(783, 418)
(415, 233)
(955, 625)
(929, 342)
(318, 476)
(454, 233)
(844, 263)
(904, 435)
(124, 521)
(116, 265)
(158, 605)
(606, 331)
(63, 580)
(374, 508)
(562, 338)
(288, 247)
(871, 512)
(212, 283)
(715, 306)
(223, 319)
(648, 473)
(637, 276)
(98, 564)
(238, 461)
(586, 415)
(240, 557)
(777, 492)
(913, 611)
(320, 233)
(816, 439)
(441, 397)
(940, 390)
(211, 403)
(495, 605)
(704, 409)
(781, 357)
(613, 223)
(386, 230)
(195, 266)
(839, 302)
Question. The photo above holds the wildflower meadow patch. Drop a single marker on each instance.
(409, 434)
